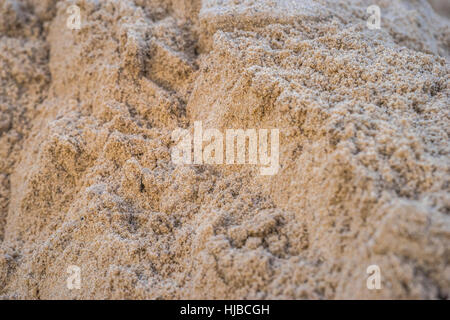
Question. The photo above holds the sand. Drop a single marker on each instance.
(87, 179)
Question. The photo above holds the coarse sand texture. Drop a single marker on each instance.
(87, 177)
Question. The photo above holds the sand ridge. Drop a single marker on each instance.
(87, 179)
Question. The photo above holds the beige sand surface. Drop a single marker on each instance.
(86, 176)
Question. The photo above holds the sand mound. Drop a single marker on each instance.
(87, 179)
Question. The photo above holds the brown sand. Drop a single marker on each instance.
(86, 176)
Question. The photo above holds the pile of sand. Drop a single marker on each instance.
(86, 176)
